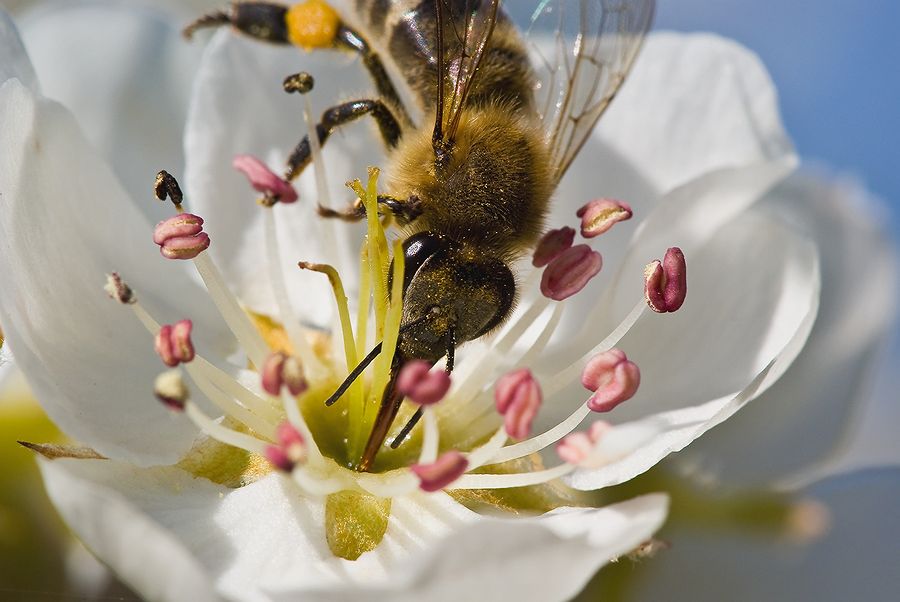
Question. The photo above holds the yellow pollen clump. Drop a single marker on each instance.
(312, 24)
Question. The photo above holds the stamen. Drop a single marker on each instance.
(600, 215)
(578, 447)
(223, 434)
(166, 187)
(264, 180)
(518, 399)
(117, 289)
(421, 385)
(299, 83)
(231, 311)
(291, 449)
(507, 481)
(665, 283)
(430, 438)
(287, 316)
(170, 389)
(552, 245)
(441, 473)
(173, 343)
(570, 272)
(181, 236)
(281, 370)
(610, 443)
(565, 376)
(544, 440)
(612, 378)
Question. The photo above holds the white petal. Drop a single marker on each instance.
(143, 556)
(753, 296)
(694, 104)
(265, 541)
(855, 560)
(127, 84)
(13, 59)
(64, 223)
(808, 413)
(239, 107)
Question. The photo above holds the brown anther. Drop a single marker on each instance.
(166, 186)
(301, 83)
(116, 288)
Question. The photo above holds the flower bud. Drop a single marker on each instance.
(442, 472)
(612, 378)
(665, 283)
(181, 236)
(421, 385)
(570, 272)
(552, 245)
(518, 398)
(264, 180)
(600, 215)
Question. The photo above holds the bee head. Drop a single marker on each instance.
(464, 294)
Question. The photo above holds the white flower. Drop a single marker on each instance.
(693, 142)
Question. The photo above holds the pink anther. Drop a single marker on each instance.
(518, 398)
(578, 447)
(264, 180)
(181, 236)
(552, 245)
(290, 450)
(173, 343)
(422, 385)
(600, 215)
(442, 472)
(612, 377)
(570, 272)
(282, 370)
(665, 283)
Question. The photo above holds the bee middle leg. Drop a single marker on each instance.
(337, 116)
(404, 211)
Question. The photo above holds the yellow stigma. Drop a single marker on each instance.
(312, 24)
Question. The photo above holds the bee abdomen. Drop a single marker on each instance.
(406, 30)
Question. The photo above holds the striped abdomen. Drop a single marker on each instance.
(406, 30)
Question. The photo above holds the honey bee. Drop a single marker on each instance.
(470, 184)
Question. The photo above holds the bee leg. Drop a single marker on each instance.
(404, 211)
(337, 116)
(309, 25)
(349, 39)
(264, 21)
(414, 420)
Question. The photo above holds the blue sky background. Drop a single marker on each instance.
(835, 64)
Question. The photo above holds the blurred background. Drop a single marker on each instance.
(835, 66)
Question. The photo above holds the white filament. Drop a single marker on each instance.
(302, 348)
(221, 433)
(231, 311)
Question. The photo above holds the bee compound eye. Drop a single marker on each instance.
(417, 250)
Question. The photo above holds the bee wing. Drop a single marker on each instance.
(596, 44)
(464, 27)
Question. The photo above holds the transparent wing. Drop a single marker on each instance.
(595, 45)
(466, 28)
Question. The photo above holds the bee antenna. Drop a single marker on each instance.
(361, 367)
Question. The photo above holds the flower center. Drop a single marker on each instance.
(343, 418)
